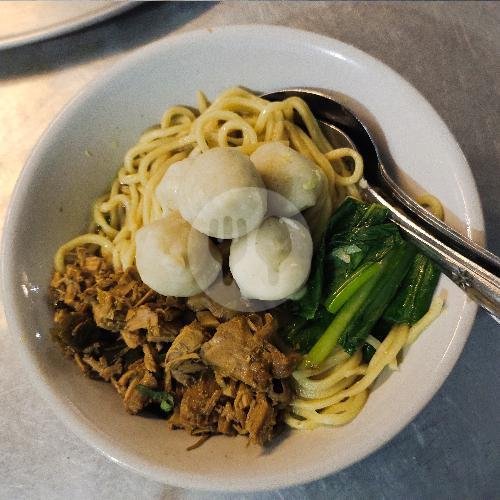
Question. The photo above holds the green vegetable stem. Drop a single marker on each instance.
(396, 264)
(328, 340)
(339, 296)
(362, 310)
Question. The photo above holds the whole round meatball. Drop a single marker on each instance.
(167, 190)
(220, 193)
(296, 178)
(273, 261)
(174, 259)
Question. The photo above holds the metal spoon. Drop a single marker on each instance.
(468, 265)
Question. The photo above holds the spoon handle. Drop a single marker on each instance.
(460, 264)
(438, 228)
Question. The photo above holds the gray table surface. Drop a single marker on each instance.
(450, 52)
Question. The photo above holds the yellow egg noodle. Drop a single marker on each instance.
(335, 392)
(236, 118)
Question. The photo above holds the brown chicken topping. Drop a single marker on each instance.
(224, 370)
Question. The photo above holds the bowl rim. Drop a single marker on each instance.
(68, 413)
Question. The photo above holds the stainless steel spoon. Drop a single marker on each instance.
(468, 265)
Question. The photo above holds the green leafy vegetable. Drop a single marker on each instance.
(330, 337)
(354, 214)
(307, 306)
(358, 235)
(360, 267)
(165, 399)
(415, 295)
(395, 266)
(372, 243)
(302, 334)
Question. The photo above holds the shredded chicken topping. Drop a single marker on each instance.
(224, 370)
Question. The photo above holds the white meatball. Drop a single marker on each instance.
(168, 188)
(286, 172)
(220, 193)
(174, 259)
(273, 261)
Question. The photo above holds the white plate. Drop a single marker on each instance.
(25, 22)
(79, 155)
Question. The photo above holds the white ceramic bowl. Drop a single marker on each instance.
(52, 201)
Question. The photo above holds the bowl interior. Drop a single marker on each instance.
(78, 157)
